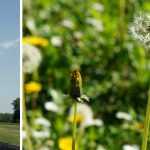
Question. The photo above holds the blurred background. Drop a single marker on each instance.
(92, 36)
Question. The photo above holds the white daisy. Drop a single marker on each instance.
(56, 41)
(98, 7)
(41, 134)
(51, 106)
(95, 23)
(42, 121)
(86, 112)
(130, 147)
(67, 23)
(123, 115)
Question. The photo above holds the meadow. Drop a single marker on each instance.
(10, 133)
(95, 38)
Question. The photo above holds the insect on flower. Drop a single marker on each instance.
(75, 83)
(75, 87)
(76, 79)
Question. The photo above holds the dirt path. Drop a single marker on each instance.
(4, 146)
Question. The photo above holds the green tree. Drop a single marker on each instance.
(16, 108)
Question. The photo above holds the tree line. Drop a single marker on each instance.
(15, 116)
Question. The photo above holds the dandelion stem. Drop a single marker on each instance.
(25, 123)
(146, 125)
(122, 5)
(74, 126)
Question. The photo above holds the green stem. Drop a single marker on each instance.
(74, 126)
(25, 123)
(146, 125)
(122, 5)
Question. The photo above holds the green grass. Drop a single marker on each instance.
(10, 133)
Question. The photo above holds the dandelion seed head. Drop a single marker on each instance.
(139, 30)
(31, 58)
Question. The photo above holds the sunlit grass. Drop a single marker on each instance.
(10, 133)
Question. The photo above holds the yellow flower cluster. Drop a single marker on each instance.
(33, 87)
(65, 143)
(35, 40)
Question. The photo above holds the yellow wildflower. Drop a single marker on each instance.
(65, 143)
(33, 87)
(35, 40)
(79, 118)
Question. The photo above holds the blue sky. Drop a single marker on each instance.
(9, 53)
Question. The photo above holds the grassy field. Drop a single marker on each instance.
(9, 133)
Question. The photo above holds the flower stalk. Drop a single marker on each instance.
(74, 126)
(75, 94)
(140, 31)
(25, 123)
(146, 124)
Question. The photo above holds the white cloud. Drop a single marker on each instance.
(9, 44)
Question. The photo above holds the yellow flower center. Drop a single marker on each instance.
(79, 118)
